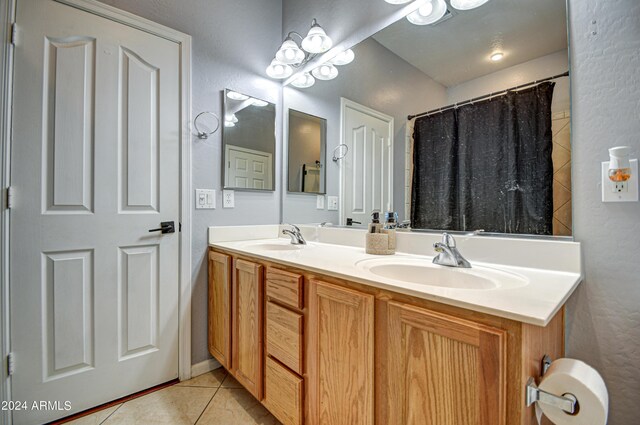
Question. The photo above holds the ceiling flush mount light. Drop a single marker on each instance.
(234, 95)
(497, 56)
(279, 70)
(343, 58)
(326, 71)
(429, 13)
(316, 41)
(467, 4)
(304, 81)
(289, 53)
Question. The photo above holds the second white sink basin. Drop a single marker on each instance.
(424, 272)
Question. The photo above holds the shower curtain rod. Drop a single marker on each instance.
(486, 96)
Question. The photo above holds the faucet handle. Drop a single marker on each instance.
(448, 240)
(294, 227)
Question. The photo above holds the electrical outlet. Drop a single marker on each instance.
(620, 191)
(320, 202)
(205, 199)
(332, 203)
(228, 199)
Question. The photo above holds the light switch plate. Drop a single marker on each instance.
(332, 203)
(228, 199)
(629, 192)
(205, 199)
(320, 202)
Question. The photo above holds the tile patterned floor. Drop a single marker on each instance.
(214, 398)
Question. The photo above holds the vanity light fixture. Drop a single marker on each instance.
(289, 52)
(326, 71)
(343, 58)
(258, 102)
(397, 1)
(290, 55)
(430, 12)
(316, 41)
(229, 124)
(467, 4)
(234, 95)
(496, 57)
(304, 81)
(279, 70)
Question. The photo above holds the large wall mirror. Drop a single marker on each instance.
(460, 124)
(306, 154)
(248, 142)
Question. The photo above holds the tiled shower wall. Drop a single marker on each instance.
(561, 129)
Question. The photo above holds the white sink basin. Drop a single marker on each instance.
(424, 272)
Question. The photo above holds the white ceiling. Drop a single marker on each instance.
(458, 49)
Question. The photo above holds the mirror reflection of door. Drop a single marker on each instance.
(249, 142)
(307, 151)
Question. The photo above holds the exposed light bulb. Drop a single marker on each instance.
(279, 70)
(467, 4)
(316, 41)
(289, 53)
(234, 95)
(426, 9)
(344, 58)
(304, 81)
(325, 72)
(259, 102)
(229, 124)
(429, 13)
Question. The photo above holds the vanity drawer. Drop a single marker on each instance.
(284, 336)
(285, 287)
(283, 393)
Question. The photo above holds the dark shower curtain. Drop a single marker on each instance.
(486, 165)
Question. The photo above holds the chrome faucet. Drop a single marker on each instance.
(448, 254)
(295, 235)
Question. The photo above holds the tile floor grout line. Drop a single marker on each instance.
(111, 414)
(205, 407)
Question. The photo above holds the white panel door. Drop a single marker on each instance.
(95, 165)
(248, 168)
(367, 169)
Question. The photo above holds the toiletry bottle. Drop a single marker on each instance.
(391, 223)
(376, 242)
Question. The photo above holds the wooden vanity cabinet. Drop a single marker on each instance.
(341, 355)
(219, 326)
(317, 350)
(443, 370)
(247, 321)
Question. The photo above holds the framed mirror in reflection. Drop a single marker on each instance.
(248, 142)
(307, 144)
(480, 110)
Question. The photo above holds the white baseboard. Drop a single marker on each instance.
(204, 367)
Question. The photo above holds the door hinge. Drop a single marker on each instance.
(11, 365)
(10, 196)
(14, 34)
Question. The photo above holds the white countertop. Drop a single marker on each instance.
(536, 301)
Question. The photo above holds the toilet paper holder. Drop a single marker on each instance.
(566, 402)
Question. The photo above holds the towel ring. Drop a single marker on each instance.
(346, 150)
(202, 134)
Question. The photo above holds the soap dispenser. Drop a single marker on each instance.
(377, 240)
(390, 225)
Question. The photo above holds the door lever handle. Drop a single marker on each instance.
(165, 227)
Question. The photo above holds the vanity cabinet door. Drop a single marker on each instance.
(340, 356)
(443, 370)
(220, 307)
(247, 294)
